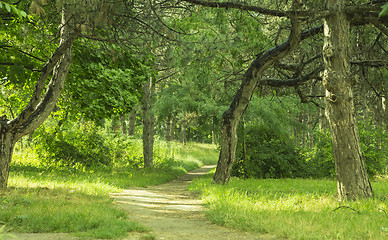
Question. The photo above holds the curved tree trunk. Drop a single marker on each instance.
(39, 108)
(232, 116)
(352, 178)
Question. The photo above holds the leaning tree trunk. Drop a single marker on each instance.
(232, 116)
(352, 178)
(148, 123)
(39, 107)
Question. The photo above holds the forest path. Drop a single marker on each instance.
(172, 213)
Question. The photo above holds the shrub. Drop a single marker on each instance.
(79, 146)
(268, 155)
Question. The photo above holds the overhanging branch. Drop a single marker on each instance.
(257, 9)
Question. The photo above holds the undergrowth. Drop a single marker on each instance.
(74, 199)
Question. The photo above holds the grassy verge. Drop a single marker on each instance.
(46, 199)
(295, 208)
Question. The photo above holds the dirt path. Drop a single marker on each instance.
(173, 213)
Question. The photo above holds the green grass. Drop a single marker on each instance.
(47, 199)
(295, 208)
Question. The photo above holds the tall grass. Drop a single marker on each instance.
(295, 208)
(43, 198)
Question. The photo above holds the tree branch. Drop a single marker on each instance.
(39, 86)
(257, 9)
(292, 81)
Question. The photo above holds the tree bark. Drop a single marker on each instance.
(7, 144)
(148, 123)
(352, 179)
(132, 121)
(39, 108)
(232, 116)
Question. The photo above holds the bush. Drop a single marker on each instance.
(77, 147)
(268, 155)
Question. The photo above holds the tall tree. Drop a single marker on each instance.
(352, 178)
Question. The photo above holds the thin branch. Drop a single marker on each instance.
(371, 63)
(26, 67)
(345, 207)
(26, 53)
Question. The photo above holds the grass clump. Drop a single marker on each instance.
(37, 210)
(295, 208)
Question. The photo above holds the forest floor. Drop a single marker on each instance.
(169, 211)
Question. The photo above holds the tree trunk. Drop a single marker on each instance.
(232, 116)
(123, 124)
(6, 149)
(148, 123)
(39, 107)
(352, 179)
(132, 121)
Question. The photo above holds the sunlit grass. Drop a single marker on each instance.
(295, 208)
(43, 198)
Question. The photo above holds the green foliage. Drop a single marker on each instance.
(105, 82)
(268, 155)
(384, 10)
(14, 10)
(78, 147)
(270, 151)
(319, 159)
(294, 208)
(373, 144)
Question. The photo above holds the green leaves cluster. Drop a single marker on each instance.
(13, 9)
(384, 12)
(105, 82)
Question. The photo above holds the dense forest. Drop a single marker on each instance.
(287, 89)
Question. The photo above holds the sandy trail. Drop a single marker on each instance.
(174, 213)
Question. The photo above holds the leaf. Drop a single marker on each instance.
(384, 12)
(16, 11)
(7, 7)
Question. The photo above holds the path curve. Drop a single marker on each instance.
(172, 213)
